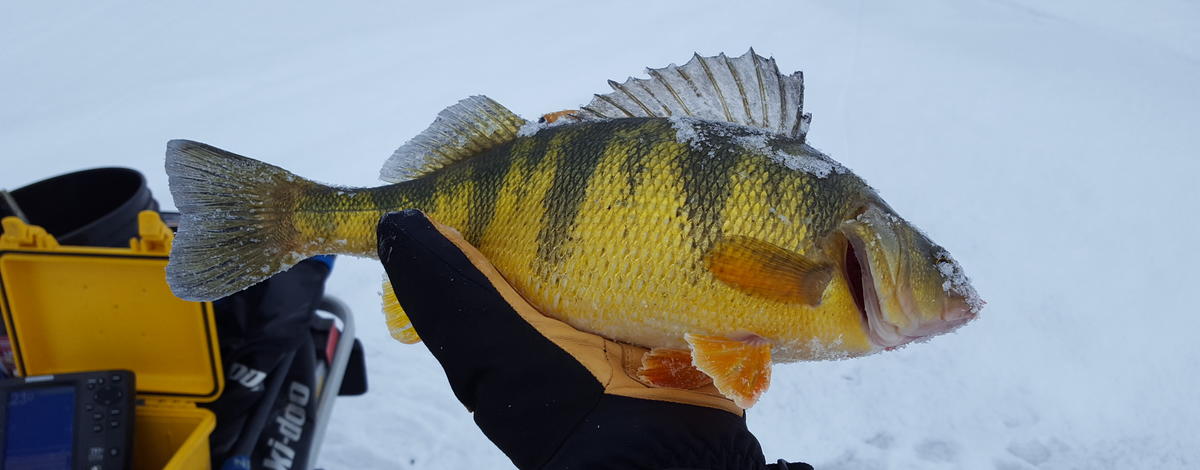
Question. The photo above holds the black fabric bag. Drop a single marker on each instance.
(265, 415)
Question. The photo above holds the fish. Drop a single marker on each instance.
(684, 213)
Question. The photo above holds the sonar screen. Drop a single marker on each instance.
(67, 421)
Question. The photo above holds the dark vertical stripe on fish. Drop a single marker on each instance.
(415, 194)
(647, 135)
(577, 159)
(538, 149)
(535, 153)
(776, 193)
(707, 184)
(489, 172)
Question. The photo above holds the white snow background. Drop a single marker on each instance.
(1051, 146)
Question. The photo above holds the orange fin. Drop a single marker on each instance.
(671, 368)
(572, 114)
(766, 270)
(741, 369)
(397, 321)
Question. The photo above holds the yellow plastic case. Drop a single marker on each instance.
(75, 308)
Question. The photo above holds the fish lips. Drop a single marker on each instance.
(860, 273)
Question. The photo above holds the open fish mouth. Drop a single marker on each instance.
(883, 333)
(858, 281)
(857, 270)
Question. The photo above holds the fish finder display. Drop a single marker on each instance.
(39, 428)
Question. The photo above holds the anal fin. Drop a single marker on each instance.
(671, 368)
(740, 368)
(397, 321)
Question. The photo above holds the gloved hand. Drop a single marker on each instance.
(550, 396)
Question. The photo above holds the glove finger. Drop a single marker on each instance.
(408, 242)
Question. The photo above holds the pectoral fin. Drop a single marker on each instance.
(765, 270)
(671, 368)
(740, 369)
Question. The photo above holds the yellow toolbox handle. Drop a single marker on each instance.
(154, 237)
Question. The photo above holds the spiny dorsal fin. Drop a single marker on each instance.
(748, 90)
(469, 127)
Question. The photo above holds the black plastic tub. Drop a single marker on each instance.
(96, 207)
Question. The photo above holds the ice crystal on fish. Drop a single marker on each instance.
(814, 163)
(530, 128)
(957, 282)
(533, 127)
(685, 131)
(828, 351)
(808, 159)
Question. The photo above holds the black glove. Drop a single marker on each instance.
(547, 395)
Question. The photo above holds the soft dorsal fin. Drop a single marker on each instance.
(463, 130)
(747, 90)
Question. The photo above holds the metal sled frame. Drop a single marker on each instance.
(337, 370)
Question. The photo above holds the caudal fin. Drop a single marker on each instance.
(235, 226)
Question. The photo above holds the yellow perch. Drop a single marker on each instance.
(684, 213)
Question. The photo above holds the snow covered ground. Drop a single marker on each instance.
(1050, 145)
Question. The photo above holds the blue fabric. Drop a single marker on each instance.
(239, 462)
(326, 259)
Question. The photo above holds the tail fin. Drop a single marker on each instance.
(235, 227)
